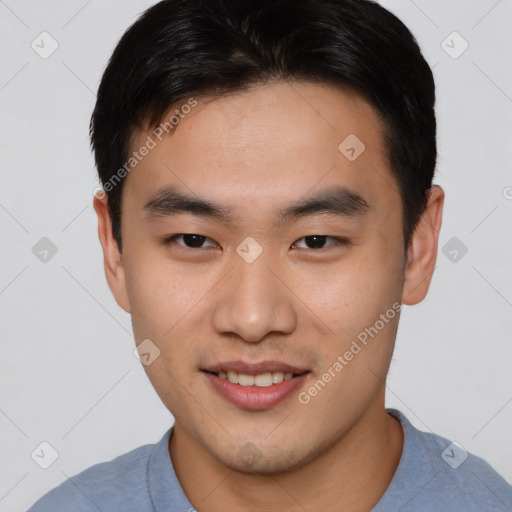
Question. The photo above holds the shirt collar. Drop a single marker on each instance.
(164, 486)
(414, 472)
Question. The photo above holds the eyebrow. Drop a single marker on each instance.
(339, 201)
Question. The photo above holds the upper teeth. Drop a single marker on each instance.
(262, 380)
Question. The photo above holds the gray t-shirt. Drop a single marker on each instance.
(434, 475)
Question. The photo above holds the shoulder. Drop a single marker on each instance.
(442, 475)
(465, 477)
(104, 486)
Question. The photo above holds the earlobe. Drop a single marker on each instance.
(112, 258)
(422, 252)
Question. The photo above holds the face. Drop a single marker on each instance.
(286, 250)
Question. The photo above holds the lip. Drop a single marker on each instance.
(255, 398)
(255, 368)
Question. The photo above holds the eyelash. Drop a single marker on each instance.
(337, 241)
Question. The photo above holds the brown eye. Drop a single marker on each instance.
(319, 241)
(190, 241)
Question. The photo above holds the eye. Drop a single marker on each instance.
(195, 241)
(190, 241)
(319, 241)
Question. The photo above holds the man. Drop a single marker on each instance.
(267, 208)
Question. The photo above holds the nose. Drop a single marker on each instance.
(253, 302)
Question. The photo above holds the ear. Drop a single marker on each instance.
(112, 258)
(422, 251)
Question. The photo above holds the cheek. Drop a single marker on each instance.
(159, 296)
(348, 296)
(169, 307)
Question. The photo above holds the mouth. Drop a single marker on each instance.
(255, 387)
(262, 380)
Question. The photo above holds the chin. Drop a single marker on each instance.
(262, 458)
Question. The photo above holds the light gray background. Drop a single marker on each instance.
(68, 374)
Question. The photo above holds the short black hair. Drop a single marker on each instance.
(181, 48)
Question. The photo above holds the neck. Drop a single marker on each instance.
(352, 475)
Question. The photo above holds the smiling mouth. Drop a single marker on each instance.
(262, 380)
(255, 386)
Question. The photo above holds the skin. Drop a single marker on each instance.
(255, 152)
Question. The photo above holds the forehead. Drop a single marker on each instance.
(275, 143)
